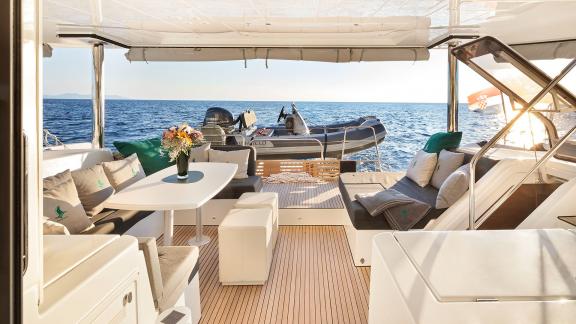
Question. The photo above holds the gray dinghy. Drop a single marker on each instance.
(292, 139)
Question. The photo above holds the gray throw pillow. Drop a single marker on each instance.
(62, 205)
(453, 188)
(448, 162)
(93, 188)
(123, 173)
(200, 153)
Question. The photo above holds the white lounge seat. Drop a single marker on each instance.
(251, 200)
(245, 246)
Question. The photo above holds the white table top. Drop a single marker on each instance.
(155, 192)
(507, 265)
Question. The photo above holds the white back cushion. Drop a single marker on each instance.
(448, 162)
(422, 167)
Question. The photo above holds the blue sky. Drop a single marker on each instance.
(69, 71)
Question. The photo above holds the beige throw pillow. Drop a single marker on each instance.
(239, 157)
(453, 188)
(123, 173)
(448, 162)
(62, 205)
(422, 167)
(93, 188)
(200, 153)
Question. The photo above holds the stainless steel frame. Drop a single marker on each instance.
(98, 96)
(375, 144)
(452, 90)
(501, 133)
(550, 153)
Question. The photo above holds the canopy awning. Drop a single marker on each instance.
(334, 55)
(397, 26)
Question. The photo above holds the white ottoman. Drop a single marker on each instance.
(262, 200)
(245, 246)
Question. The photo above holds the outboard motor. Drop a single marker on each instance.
(220, 117)
(294, 122)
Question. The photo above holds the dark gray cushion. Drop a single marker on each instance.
(251, 157)
(104, 228)
(355, 183)
(237, 187)
(482, 167)
(111, 221)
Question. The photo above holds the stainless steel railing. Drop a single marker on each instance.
(379, 160)
(269, 139)
(500, 134)
(550, 153)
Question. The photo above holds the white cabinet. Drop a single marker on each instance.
(94, 279)
(119, 307)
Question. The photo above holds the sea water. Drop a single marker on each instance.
(408, 124)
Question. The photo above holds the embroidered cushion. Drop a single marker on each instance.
(422, 167)
(123, 173)
(62, 205)
(93, 188)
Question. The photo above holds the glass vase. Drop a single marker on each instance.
(182, 165)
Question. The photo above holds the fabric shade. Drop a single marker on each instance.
(334, 55)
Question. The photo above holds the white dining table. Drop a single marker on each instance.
(163, 191)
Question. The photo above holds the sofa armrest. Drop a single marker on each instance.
(148, 246)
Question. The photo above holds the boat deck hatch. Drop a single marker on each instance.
(494, 265)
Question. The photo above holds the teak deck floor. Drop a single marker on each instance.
(312, 280)
(307, 195)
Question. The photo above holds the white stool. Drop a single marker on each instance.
(245, 246)
(262, 200)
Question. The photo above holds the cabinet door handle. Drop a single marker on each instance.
(127, 299)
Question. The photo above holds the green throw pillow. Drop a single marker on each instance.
(149, 154)
(441, 141)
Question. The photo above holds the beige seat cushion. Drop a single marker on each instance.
(62, 205)
(123, 173)
(200, 153)
(176, 266)
(239, 157)
(93, 188)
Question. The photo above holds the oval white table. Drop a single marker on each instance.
(163, 191)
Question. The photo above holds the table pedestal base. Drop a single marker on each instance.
(199, 239)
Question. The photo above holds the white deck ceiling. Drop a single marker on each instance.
(305, 23)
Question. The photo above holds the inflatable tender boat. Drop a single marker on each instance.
(292, 138)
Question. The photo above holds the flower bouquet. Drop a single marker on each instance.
(178, 141)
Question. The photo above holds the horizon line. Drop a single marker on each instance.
(253, 100)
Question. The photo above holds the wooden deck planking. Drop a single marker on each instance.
(307, 195)
(312, 280)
